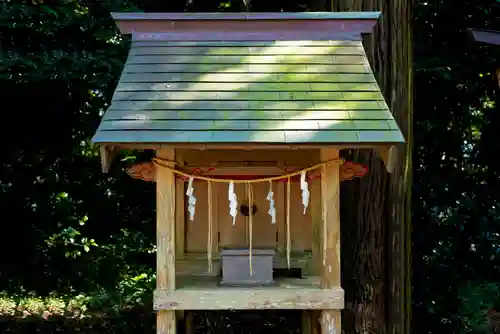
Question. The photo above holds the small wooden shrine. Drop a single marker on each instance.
(247, 114)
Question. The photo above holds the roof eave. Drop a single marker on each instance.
(240, 145)
(352, 22)
(387, 152)
(242, 16)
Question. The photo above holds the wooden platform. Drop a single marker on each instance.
(205, 293)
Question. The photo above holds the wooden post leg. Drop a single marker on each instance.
(166, 322)
(330, 274)
(331, 322)
(311, 322)
(189, 323)
(165, 238)
(306, 322)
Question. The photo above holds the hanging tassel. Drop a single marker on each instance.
(191, 199)
(305, 191)
(209, 241)
(272, 208)
(250, 226)
(323, 209)
(233, 202)
(288, 239)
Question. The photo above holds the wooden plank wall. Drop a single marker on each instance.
(265, 234)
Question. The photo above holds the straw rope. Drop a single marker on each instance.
(164, 163)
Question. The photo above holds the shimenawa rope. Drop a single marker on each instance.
(288, 176)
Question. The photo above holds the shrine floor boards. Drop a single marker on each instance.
(205, 293)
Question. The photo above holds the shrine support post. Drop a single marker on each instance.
(165, 238)
(330, 234)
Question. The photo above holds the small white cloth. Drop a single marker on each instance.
(272, 208)
(233, 202)
(304, 186)
(191, 199)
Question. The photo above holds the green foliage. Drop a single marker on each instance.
(90, 237)
(476, 299)
(57, 79)
(456, 199)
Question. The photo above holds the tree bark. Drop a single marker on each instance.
(400, 182)
(376, 232)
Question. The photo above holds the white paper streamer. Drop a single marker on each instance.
(191, 199)
(272, 208)
(305, 190)
(233, 202)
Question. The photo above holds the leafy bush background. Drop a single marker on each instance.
(78, 245)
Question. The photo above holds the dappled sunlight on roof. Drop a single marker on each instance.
(221, 92)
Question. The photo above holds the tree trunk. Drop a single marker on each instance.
(400, 182)
(376, 210)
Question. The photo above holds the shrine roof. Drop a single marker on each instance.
(185, 86)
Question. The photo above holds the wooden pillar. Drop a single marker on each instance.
(189, 322)
(310, 322)
(330, 273)
(306, 322)
(165, 238)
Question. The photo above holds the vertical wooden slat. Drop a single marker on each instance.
(316, 226)
(279, 202)
(315, 322)
(179, 219)
(180, 222)
(165, 238)
(215, 220)
(310, 322)
(189, 322)
(306, 322)
(330, 273)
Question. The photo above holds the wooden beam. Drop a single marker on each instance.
(146, 171)
(165, 239)
(389, 157)
(330, 275)
(108, 153)
(205, 293)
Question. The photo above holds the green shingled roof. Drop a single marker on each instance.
(238, 92)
